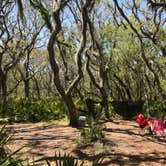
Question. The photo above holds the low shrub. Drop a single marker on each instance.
(94, 131)
(113, 114)
(65, 160)
(155, 109)
(69, 160)
(33, 111)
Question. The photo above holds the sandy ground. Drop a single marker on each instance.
(124, 144)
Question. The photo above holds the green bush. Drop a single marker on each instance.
(113, 113)
(155, 109)
(33, 111)
(94, 132)
(81, 104)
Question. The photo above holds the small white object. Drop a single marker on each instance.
(82, 120)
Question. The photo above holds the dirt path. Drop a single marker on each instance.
(124, 145)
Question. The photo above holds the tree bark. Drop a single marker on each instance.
(143, 55)
(72, 111)
(124, 86)
(100, 87)
(66, 94)
(26, 88)
(3, 83)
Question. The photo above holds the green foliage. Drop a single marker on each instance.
(33, 111)
(113, 113)
(3, 140)
(68, 160)
(163, 85)
(10, 161)
(94, 132)
(7, 159)
(81, 104)
(156, 109)
(65, 160)
(98, 161)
